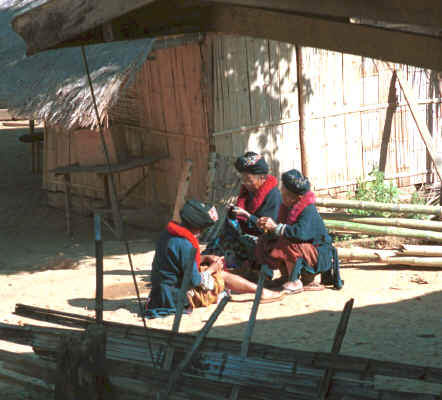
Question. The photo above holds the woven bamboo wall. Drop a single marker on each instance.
(256, 108)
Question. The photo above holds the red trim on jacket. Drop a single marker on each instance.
(289, 216)
(177, 230)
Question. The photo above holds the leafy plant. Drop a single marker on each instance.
(374, 190)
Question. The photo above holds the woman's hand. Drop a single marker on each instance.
(266, 224)
(216, 266)
(238, 211)
(209, 259)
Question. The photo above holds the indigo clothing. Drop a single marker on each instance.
(239, 238)
(252, 163)
(268, 208)
(198, 215)
(309, 227)
(173, 255)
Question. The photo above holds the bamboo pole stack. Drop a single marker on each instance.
(426, 230)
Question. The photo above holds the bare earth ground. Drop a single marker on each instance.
(396, 315)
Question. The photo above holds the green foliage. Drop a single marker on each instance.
(416, 198)
(374, 190)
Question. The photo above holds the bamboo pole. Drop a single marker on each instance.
(373, 205)
(415, 250)
(183, 188)
(384, 230)
(360, 253)
(416, 261)
(398, 222)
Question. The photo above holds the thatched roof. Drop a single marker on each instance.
(53, 85)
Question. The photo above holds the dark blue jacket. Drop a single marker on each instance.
(173, 255)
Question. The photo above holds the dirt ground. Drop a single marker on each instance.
(397, 312)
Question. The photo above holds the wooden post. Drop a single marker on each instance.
(421, 124)
(67, 202)
(302, 113)
(196, 345)
(430, 122)
(265, 272)
(336, 348)
(98, 270)
(179, 313)
(392, 105)
(116, 214)
(183, 188)
(81, 366)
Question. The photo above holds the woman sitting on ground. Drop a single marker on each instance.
(259, 196)
(299, 244)
(178, 252)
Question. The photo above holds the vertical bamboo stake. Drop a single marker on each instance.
(302, 113)
(265, 271)
(67, 202)
(196, 345)
(337, 343)
(98, 270)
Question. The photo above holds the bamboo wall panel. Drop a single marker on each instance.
(173, 121)
(256, 100)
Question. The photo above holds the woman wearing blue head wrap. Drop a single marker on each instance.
(299, 244)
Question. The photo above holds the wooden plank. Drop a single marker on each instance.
(67, 202)
(333, 35)
(183, 188)
(113, 168)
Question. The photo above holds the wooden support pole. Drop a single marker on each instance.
(265, 272)
(325, 385)
(196, 345)
(392, 105)
(67, 202)
(116, 214)
(420, 122)
(179, 313)
(302, 114)
(98, 270)
(183, 188)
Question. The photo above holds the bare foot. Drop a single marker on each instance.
(269, 296)
(293, 287)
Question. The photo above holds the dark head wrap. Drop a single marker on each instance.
(295, 182)
(198, 215)
(252, 163)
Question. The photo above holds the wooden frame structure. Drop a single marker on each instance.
(401, 31)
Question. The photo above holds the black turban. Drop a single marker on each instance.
(295, 182)
(198, 215)
(252, 163)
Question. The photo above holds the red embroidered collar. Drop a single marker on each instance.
(289, 216)
(252, 205)
(178, 230)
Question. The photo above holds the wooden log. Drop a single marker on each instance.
(372, 205)
(399, 222)
(384, 230)
(67, 202)
(416, 250)
(185, 341)
(324, 388)
(183, 188)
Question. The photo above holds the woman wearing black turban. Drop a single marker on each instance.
(178, 251)
(299, 244)
(259, 196)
